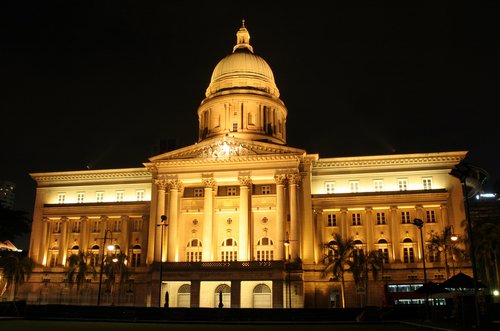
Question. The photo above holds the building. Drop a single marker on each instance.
(246, 216)
(7, 194)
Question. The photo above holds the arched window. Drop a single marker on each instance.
(229, 250)
(265, 249)
(136, 253)
(184, 296)
(194, 251)
(408, 251)
(358, 244)
(262, 296)
(223, 292)
(383, 250)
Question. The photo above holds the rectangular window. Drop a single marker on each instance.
(80, 196)
(331, 220)
(380, 218)
(354, 185)
(356, 219)
(137, 225)
(117, 225)
(384, 252)
(139, 195)
(231, 191)
(409, 256)
(403, 184)
(235, 127)
(430, 216)
(405, 217)
(198, 192)
(99, 196)
(61, 197)
(330, 187)
(136, 259)
(378, 185)
(56, 227)
(96, 226)
(265, 189)
(76, 226)
(427, 183)
(119, 196)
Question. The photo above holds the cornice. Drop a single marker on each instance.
(428, 159)
(93, 175)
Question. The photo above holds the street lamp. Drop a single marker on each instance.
(466, 172)
(162, 225)
(110, 248)
(420, 224)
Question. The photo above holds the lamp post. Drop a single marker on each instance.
(420, 224)
(162, 225)
(110, 248)
(463, 171)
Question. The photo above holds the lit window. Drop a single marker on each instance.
(231, 191)
(427, 183)
(194, 251)
(331, 220)
(380, 218)
(80, 197)
(405, 217)
(354, 185)
(119, 196)
(139, 194)
(99, 196)
(329, 187)
(265, 250)
(229, 250)
(356, 219)
(265, 189)
(403, 184)
(378, 185)
(430, 216)
(61, 197)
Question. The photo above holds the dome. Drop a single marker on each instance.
(242, 70)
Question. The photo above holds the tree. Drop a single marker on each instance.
(443, 243)
(116, 271)
(338, 260)
(13, 223)
(16, 270)
(362, 265)
(487, 249)
(78, 269)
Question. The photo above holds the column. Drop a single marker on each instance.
(84, 233)
(318, 235)
(293, 180)
(235, 293)
(173, 223)
(243, 245)
(277, 293)
(208, 207)
(63, 245)
(154, 230)
(369, 228)
(44, 240)
(195, 294)
(344, 223)
(124, 235)
(395, 235)
(280, 215)
(306, 214)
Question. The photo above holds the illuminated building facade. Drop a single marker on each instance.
(247, 215)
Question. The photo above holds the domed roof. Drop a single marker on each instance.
(242, 70)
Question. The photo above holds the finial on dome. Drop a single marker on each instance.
(243, 38)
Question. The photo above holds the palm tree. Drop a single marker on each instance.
(338, 260)
(443, 243)
(487, 248)
(78, 269)
(115, 269)
(16, 269)
(363, 264)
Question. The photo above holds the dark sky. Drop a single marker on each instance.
(100, 83)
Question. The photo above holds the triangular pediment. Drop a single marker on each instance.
(226, 147)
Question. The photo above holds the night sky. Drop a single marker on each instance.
(98, 84)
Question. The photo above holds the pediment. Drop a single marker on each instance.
(227, 147)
